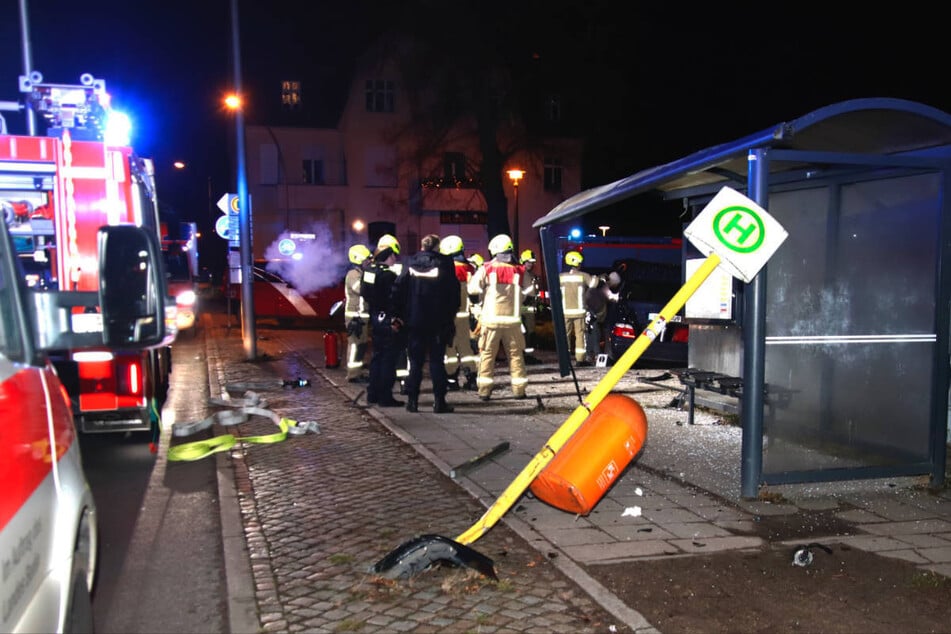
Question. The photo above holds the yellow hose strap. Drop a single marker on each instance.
(202, 448)
(580, 414)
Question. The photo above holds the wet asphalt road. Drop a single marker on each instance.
(160, 557)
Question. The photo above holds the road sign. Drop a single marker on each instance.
(228, 204)
(227, 228)
(739, 230)
(286, 246)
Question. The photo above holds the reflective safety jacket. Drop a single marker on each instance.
(574, 283)
(464, 272)
(356, 306)
(501, 284)
(530, 292)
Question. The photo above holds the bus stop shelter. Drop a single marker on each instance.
(842, 340)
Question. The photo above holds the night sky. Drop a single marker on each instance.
(657, 82)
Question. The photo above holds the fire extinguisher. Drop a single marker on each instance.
(331, 354)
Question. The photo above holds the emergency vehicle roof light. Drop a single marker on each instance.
(118, 129)
(82, 107)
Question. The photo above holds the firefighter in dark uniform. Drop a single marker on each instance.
(376, 288)
(426, 297)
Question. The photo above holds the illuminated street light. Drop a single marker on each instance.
(179, 165)
(515, 175)
(233, 102)
(604, 229)
(358, 225)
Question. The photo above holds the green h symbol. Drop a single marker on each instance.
(734, 225)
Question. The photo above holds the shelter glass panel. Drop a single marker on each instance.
(850, 332)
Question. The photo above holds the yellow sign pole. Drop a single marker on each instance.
(578, 416)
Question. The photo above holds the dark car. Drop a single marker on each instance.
(646, 287)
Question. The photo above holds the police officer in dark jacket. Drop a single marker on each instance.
(426, 298)
(376, 288)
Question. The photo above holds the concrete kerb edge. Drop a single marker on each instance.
(239, 580)
(601, 595)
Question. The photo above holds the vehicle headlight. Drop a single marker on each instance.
(186, 298)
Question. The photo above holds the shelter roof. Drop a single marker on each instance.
(872, 126)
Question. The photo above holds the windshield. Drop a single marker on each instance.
(176, 265)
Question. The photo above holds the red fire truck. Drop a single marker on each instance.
(55, 193)
(180, 251)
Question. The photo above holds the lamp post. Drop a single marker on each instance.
(248, 334)
(515, 175)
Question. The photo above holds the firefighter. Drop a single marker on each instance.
(356, 315)
(501, 283)
(527, 259)
(459, 353)
(426, 299)
(475, 304)
(385, 328)
(574, 284)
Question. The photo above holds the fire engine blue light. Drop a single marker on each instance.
(118, 129)
(575, 233)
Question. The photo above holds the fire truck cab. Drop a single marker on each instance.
(56, 191)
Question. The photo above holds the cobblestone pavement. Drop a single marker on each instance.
(318, 510)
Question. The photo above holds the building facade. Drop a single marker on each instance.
(379, 171)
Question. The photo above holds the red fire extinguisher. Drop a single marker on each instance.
(331, 354)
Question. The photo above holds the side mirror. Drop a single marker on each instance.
(132, 288)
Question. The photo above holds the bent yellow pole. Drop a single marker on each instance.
(578, 416)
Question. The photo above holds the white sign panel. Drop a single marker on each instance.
(714, 298)
(741, 232)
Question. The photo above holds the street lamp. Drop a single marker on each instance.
(515, 175)
(604, 229)
(248, 333)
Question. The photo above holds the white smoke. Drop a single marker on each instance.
(315, 264)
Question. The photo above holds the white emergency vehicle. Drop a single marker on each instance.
(47, 514)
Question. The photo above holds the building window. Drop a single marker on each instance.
(454, 167)
(553, 171)
(313, 171)
(553, 108)
(379, 95)
(290, 95)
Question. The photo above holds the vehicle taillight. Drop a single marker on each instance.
(624, 330)
(681, 335)
(129, 372)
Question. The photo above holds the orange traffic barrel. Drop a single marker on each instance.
(594, 457)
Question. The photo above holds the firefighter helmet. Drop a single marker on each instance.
(526, 256)
(573, 258)
(387, 241)
(358, 253)
(500, 244)
(451, 245)
(476, 260)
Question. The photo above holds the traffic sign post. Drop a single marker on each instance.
(229, 225)
(228, 204)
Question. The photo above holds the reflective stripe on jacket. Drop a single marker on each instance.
(573, 285)
(463, 274)
(500, 284)
(355, 306)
